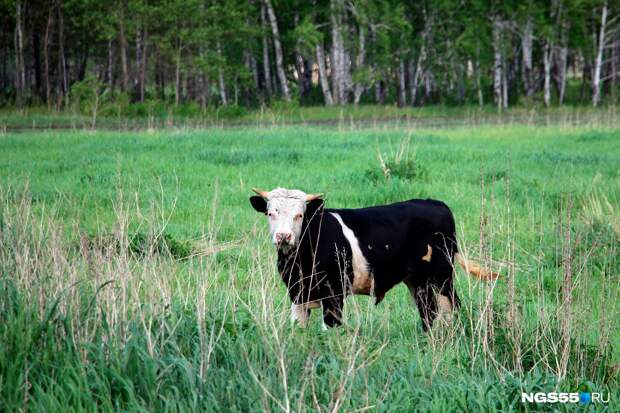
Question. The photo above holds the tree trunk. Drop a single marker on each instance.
(83, 64)
(46, 56)
(614, 67)
(478, 84)
(526, 49)
(561, 51)
(338, 55)
(598, 62)
(110, 65)
(3, 58)
(320, 60)
(561, 65)
(177, 75)
(220, 78)
(278, 50)
(123, 47)
(497, 63)
(415, 82)
(204, 90)
(138, 58)
(547, 58)
(36, 59)
(428, 84)
(504, 84)
(266, 64)
(401, 89)
(158, 75)
(254, 70)
(64, 89)
(359, 64)
(300, 65)
(380, 92)
(307, 76)
(20, 70)
(460, 82)
(142, 76)
(586, 73)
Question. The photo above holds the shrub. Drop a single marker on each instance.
(401, 163)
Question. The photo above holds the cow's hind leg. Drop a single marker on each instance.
(425, 300)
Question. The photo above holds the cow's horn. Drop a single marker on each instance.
(261, 193)
(312, 197)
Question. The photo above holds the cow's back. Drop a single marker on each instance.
(394, 238)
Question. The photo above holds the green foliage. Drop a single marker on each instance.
(87, 95)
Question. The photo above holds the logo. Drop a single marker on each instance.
(565, 397)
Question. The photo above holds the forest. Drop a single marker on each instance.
(250, 53)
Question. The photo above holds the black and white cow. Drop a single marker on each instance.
(326, 254)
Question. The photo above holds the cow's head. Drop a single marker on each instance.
(285, 209)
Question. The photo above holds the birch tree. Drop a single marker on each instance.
(277, 45)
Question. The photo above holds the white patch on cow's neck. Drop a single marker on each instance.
(362, 280)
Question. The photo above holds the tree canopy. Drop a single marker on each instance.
(253, 52)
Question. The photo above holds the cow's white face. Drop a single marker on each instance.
(285, 210)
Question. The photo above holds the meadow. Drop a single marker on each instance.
(135, 276)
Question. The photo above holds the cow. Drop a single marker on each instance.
(324, 255)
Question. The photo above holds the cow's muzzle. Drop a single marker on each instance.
(283, 238)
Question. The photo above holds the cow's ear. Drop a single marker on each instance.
(314, 206)
(259, 204)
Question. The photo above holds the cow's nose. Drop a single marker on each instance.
(283, 236)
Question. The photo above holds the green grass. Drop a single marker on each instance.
(134, 274)
(157, 115)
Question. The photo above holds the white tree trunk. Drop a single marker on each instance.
(561, 64)
(497, 63)
(402, 91)
(479, 84)
(177, 76)
(526, 49)
(221, 80)
(504, 85)
(340, 61)
(598, 62)
(547, 58)
(335, 54)
(359, 64)
(278, 50)
(414, 83)
(320, 60)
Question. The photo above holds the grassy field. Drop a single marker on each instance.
(157, 115)
(135, 276)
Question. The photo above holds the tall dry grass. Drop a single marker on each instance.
(86, 322)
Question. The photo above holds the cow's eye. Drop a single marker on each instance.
(299, 216)
(270, 214)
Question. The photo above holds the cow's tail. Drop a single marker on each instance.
(473, 268)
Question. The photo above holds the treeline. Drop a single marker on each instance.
(249, 52)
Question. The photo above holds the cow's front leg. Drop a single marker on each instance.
(332, 312)
(300, 313)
